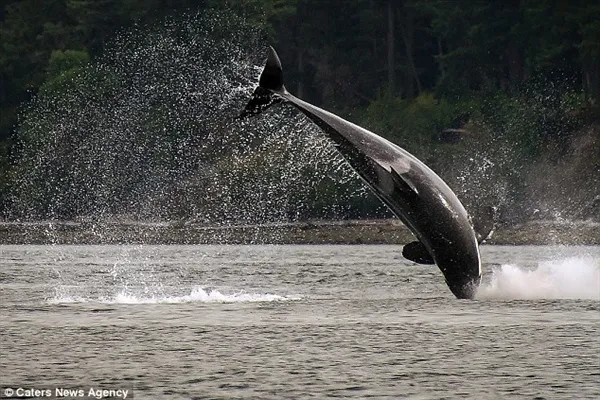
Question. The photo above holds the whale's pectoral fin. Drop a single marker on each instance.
(403, 184)
(416, 252)
(483, 224)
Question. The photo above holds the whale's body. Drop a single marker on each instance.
(412, 191)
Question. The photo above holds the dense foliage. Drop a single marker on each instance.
(518, 81)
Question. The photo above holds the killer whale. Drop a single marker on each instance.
(410, 189)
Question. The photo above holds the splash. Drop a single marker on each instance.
(147, 133)
(571, 278)
(197, 295)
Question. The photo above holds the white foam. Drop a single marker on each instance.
(65, 299)
(197, 294)
(571, 278)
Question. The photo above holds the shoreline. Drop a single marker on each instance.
(385, 231)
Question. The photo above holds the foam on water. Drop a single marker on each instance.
(571, 278)
(197, 294)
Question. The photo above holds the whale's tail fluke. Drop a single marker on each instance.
(269, 84)
(272, 75)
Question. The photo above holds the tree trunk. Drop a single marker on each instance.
(514, 64)
(300, 73)
(440, 57)
(408, 33)
(591, 79)
(391, 44)
(512, 54)
(595, 80)
(375, 38)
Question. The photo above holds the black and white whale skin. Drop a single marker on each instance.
(412, 191)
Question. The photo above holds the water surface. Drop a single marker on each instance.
(262, 322)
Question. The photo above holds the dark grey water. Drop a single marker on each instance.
(181, 322)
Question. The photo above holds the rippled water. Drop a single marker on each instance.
(298, 322)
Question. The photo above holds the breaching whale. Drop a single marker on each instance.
(411, 190)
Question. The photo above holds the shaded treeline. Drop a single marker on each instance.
(517, 82)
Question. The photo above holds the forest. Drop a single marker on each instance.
(501, 98)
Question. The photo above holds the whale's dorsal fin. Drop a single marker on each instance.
(416, 252)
